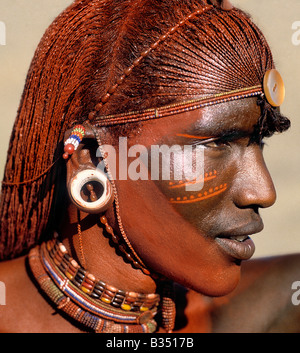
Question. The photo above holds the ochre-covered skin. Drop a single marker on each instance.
(154, 53)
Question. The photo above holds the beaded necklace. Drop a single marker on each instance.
(96, 305)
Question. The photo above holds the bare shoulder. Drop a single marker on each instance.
(14, 277)
(262, 302)
(15, 293)
(25, 309)
(267, 299)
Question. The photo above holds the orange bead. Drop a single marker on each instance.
(92, 115)
(91, 277)
(109, 229)
(111, 288)
(69, 148)
(98, 106)
(103, 220)
(105, 98)
(87, 285)
(113, 88)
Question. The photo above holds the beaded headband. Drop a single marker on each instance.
(273, 90)
(177, 108)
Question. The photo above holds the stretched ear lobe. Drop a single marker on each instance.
(91, 191)
(89, 187)
(223, 4)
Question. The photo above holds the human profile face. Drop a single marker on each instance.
(199, 238)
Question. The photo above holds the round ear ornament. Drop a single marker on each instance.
(274, 88)
(91, 191)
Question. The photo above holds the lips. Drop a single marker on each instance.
(237, 243)
(240, 250)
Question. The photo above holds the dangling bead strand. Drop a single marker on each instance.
(122, 247)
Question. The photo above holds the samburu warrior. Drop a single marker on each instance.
(126, 255)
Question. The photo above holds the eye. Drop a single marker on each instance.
(218, 143)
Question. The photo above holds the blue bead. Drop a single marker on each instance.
(75, 137)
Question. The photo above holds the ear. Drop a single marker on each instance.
(88, 186)
(81, 157)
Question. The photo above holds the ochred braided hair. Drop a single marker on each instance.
(108, 57)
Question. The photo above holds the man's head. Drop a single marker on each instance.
(104, 58)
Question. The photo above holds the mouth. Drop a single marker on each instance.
(236, 247)
(237, 243)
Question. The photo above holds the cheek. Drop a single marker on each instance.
(209, 187)
(166, 226)
(196, 206)
(170, 245)
(197, 263)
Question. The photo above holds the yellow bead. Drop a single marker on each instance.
(125, 307)
(85, 290)
(106, 300)
(68, 274)
(144, 308)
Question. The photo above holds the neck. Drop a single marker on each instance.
(108, 295)
(95, 251)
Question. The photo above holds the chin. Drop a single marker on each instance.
(221, 288)
(215, 283)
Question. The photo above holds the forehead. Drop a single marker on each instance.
(241, 115)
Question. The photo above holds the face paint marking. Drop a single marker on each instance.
(201, 140)
(194, 137)
(207, 177)
(206, 195)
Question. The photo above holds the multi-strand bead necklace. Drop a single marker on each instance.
(96, 305)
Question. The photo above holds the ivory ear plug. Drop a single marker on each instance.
(274, 88)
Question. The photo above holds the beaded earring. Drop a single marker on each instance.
(72, 143)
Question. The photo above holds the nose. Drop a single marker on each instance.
(253, 185)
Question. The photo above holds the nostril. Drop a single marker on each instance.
(254, 192)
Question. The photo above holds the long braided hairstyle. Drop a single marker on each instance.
(103, 57)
